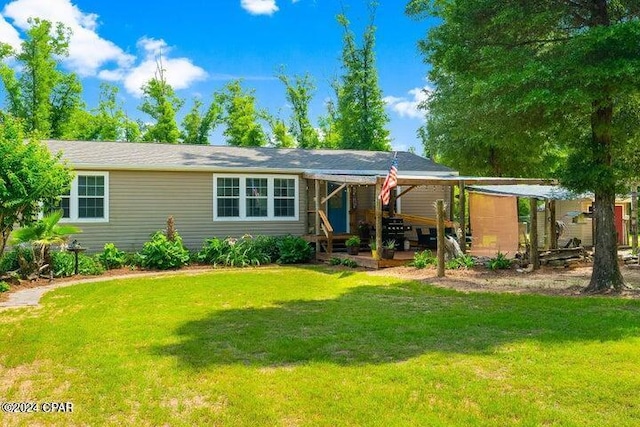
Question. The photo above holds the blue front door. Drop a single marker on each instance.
(337, 209)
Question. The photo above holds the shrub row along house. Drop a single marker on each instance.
(123, 192)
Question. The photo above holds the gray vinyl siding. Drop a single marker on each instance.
(421, 202)
(141, 201)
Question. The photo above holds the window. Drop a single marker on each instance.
(228, 196)
(88, 198)
(284, 193)
(255, 198)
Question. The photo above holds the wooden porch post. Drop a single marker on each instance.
(378, 216)
(634, 217)
(462, 218)
(440, 250)
(552, 225)
(317, 208)
(534, 258)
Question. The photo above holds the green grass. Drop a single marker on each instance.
(296, 346)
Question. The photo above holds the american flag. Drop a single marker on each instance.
(390, 181)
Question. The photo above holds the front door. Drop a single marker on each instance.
(337, 209)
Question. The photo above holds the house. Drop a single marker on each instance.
(123, 192)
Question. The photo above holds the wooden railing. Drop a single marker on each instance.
(327, 229)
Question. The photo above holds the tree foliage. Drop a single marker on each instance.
(361, 119)
(29, 176)
(37, 91)
(197, 125)
(299, 92)
(519, 82)
(240, 116)
(161, 103)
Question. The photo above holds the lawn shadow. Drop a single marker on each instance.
(382, 324)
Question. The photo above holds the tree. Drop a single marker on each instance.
(550, 72)
(361, 118)
(240, 115)
(197, 126)
(299, 93)
(107, 122)
(281, 136)
(41, 94)
(161, 103)
(29, 176)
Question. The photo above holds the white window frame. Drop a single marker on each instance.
(270, 198)
(74, 197)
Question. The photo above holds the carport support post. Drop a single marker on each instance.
(462, 218)
(634, 217)
(553, 230)
(440, 250)
(378, 217)
(534, 257)
(317, 208)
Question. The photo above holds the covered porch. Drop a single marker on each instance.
(329, 242)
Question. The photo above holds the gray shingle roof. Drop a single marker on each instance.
(124, 155)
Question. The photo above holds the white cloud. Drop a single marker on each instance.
(88, 52)
(259, 7)
(92, 55)
(409, 106)
(178, 72)
(8, 34)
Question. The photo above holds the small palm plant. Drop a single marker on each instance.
(41, 235)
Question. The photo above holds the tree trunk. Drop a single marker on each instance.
(606, 276)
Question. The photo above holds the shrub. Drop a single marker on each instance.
(212, 250)
(423, 259)
(63, 264)
(464, 261)
(243, 252)
(268, 245)
(353, 241)
(335, 261)
(4, 287)
(112, 257)
(163, 254)
(500, 262)
(349, 263)
(20, 259)
(293, 250)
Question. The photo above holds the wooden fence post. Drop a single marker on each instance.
(440, 250)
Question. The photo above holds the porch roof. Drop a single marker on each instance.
(448, 180)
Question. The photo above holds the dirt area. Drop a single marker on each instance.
(547, 281)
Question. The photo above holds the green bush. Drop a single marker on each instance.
(4, 287)
(63, 264)
(349, 263)
(243, 252)
(111, 257)
(163, 254)
(293, 250)
(500, 262)
(335, 261)
(464, 261)
(268, 245)
(212, 250)
(423, 259)
(11, 261)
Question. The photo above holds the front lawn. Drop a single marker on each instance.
(299, 346)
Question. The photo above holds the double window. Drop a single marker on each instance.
(249, 198)
(88, 198)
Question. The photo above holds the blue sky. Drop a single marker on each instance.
(204, 44)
